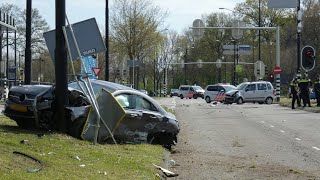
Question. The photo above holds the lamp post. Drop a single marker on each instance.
(259, 32)
(107, 41)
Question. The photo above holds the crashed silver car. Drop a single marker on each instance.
(143, 119)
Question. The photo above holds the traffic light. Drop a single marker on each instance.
(307, 58)
(118, 72)
(124, 72)
(265, 70)
(258, 71)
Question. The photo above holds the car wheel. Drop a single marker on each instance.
(195, 96)
(269, 100)
(240, 100)
(208, 100)
(181, 96)
(77, 127)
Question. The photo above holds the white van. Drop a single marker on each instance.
(212, 91)
(259, 91)
(187, 91)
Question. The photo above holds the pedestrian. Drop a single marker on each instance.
(294, 91)
(316, 89)
(304, 85)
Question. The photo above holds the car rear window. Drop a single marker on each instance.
(184, 88)
(212, 88)
(262, 86)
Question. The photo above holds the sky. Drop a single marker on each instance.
(181, 13)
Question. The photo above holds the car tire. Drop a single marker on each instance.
(181, 96)
(269, 100)
(208, 100)
(240, 100)
(195, 96)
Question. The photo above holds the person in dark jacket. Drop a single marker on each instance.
(304, 85)
(316, 89)
(294, 91)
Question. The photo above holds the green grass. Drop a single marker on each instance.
(287, 103)
(54, 150)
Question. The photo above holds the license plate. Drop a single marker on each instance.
(19, 108)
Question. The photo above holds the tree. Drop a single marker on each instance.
(39, 26)
(133, 27)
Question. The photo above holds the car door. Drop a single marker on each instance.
(262, 92)
(141, 117)
(249, 93)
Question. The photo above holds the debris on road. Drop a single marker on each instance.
(32, 158)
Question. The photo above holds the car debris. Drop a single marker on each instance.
(103, 172)
(166, 172)
(25, 141)
(32, 158)
(75, 157)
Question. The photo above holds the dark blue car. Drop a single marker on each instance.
(312, 94)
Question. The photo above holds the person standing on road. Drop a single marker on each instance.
(316, 89)
(304, 85)
(294, 92)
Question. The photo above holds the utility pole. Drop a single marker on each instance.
(107, 42)
(259, 32)
(27, 53)
(61, 67)
(299, 16)
(185, 66)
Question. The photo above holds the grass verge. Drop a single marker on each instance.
(287, 103)
(57, 152)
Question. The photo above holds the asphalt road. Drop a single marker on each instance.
(249, 141)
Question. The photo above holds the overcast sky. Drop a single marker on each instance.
(181, 12)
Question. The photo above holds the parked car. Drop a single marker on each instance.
(312, 94)
(259, 91)
(216, 92)
(187, 91)
(174, 92)
(31, 106)
(199, 92)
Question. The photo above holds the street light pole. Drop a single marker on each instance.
(107, 41)
(259, 32)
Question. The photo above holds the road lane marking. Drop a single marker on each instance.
(297, 139)
(271, 126)
(282, 131)
(316, 148)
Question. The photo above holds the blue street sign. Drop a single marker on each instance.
(89, 62)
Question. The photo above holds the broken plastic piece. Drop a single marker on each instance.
(82, 165)
(166, 171)
(76, 157)
(25, 141)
